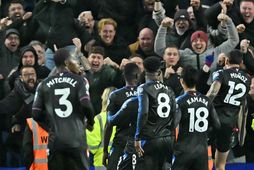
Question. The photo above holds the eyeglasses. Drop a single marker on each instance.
(28, 75)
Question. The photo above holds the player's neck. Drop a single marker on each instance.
(187, 89)
(233, 66)
(61, 69)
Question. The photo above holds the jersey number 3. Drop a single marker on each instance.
(64, 102)
(201, 123)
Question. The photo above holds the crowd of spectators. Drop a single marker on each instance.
(103, 36)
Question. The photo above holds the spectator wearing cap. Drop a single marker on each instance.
(197, 55)
(101, 76)
(179, 28)
(9, 58)
(28, 57)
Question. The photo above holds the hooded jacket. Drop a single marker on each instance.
(41, 71)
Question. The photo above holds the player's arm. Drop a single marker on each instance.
(87, 107)
(38, 105)
(177, 116)
(143, 109)
(214, 89)
(122, 115)
(214, 120)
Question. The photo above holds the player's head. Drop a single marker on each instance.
(189, 77)
(131, 72)
(234, 57)
(61, 56)
(152, 66)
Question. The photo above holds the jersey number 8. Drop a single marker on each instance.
(163, 108)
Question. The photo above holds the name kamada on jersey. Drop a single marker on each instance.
(62, 80)
(197, 99)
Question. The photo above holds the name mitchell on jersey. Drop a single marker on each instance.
(62, 80)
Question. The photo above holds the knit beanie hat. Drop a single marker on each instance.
(199, 34)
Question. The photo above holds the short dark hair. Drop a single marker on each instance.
(152, 64)
(15, 2)
(97, 50)
(60, 56)
(190, 76)
(235, 57)
(23, 67)
(131, 72)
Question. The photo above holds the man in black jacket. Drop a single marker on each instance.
(18, 104)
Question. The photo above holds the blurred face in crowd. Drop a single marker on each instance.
(149, 5)
(182, 25)
(15, 11)
(146, 39)
(107, 34)
(41, 54)
(28, 77)
(28, 58)
(171, 56)
(198, 45)
(191, 13)
(96, 61)
(247, 11)
(251, 92)
(86, 18)
(12, 42)
(139, 61)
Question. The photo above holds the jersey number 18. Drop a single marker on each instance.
(198, 119)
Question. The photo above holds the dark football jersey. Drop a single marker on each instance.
(60, 97)
(156, 107)
(235, 84)
(116, 99)
(197, 115)
(128, 114)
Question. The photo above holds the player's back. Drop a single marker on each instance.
(116, 99)
(161, 106)
(235, 85)
(62, 95)
(197, 114)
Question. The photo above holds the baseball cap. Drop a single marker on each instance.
(181, 14)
